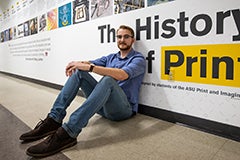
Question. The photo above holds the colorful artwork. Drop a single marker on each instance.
(73, 12)
(33, 25)
(12, 33)
(52, 19)
(64, 15)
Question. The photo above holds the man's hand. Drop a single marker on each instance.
(115, 73)
(72, 66)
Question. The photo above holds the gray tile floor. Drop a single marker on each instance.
(22, 104)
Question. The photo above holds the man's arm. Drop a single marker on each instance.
(115, 73)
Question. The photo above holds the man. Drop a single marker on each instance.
(115, 96)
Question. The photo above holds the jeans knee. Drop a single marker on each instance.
(80, 73)
(107, 79)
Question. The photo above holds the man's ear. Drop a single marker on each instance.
(134, 40)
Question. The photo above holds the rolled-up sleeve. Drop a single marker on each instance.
(135, 66)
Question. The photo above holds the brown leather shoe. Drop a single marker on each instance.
(53, 144)
(44, 128)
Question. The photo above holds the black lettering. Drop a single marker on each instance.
(101, 28)
(203, 64)
(190, 61)
(168, 63)
(229, 67)
(220, 21)
(182, 19)
(207, 28)
(146, 28)
(236, 16)
(171, 29)
(156, 27)
(150, 58)
(109, 31)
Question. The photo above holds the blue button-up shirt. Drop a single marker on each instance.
(134, 65)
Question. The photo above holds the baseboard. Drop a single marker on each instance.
(220, 129)
(40, 82)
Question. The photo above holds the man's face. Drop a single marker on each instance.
(124, 39)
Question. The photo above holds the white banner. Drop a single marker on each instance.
(192, 53)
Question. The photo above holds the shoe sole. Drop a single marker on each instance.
(53, 152)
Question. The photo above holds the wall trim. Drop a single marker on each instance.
(40, 82)
(220, 129)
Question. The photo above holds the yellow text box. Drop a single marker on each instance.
(217, 64)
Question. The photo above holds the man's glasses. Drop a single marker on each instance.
(126, 36)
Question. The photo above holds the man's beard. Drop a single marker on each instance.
(125, 48)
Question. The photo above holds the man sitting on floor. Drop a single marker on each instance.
(115, 96)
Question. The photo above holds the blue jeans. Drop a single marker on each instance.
(104, 97)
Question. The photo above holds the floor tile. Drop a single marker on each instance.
(11, 147)
(230, 151)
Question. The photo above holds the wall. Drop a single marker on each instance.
(192, 53)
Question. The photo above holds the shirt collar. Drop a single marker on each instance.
(130, 54)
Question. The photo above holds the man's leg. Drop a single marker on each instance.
(117, 107)
(107, 99)
(79, 79)
(54, 119)
(66, 136)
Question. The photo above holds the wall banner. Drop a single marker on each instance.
(192, 55)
